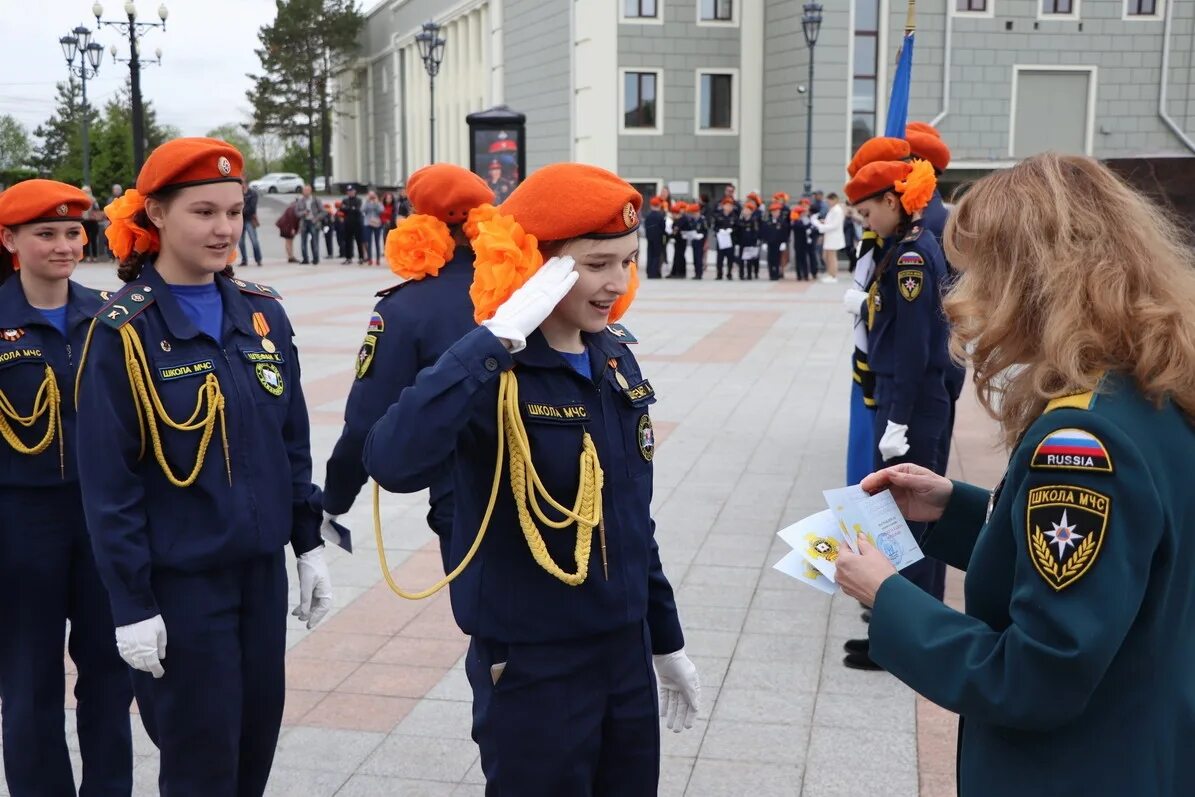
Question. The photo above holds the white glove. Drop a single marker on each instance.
(853, 299)
(143, 645)
(328, 531)
(895, 442)
(680, 689)
(315, 588)
(526, 309)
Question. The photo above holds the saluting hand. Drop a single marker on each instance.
(920, 493)
(526, 309)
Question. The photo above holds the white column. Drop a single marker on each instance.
(595, 83)
(497, 93)
(750, 88)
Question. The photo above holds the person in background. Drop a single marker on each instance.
(288, 228)
(833, 238)
(329, 227)
(725, 231)
(371, 216)
(91, 228)
(46, 562)
(773, 232)
(697, 238)
(681, 225)
(117, 191)
(850, 234)
(653, 230)
(786, 227)
(802, 242)
(310, 212)
(749, 241)
(344, 247)
(354, 225)
(249, 230)
(389, 205)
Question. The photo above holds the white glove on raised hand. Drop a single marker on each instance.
(895, 442)
(680, 689)
(143, 645)
(853, 299)
(315, 588)
(526, 309)
(328, 531)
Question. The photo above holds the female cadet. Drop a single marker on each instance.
(197, 473)
(906, 338)
(412, 325)
(1071, 670)
(564, 623)
(46, 565)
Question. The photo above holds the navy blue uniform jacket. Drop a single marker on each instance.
(447, 420)
(137, 519)
(411, 327)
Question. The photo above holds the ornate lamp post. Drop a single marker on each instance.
(811, 25)
(134, 29)
(90, 53)
(431, 50)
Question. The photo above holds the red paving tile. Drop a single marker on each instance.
(335, 645)
(353, 712)
(320, 675)
(422, 652)
(393, 680)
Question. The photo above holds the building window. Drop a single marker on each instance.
(863, 78)
(717, 11)
(647, 189)
(716, 102)
(971, 6)
(639, 100)
(639, 9)
(1064, 8)
(1141, 8)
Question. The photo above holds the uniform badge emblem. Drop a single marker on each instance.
(268, 345)
(824, 548)
(224, 165)
(910, 282)
(270, 378)
(166, 347)
(365, 356)
(62, 210)
(1064, 530)
(647, 438)
(136, 297)
(377, 324)
(629, 216)
(12, 335)
(1071, 449)
(105, 296)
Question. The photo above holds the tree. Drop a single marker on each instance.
(59, 152)
(309, 43)
(112, 141)
(15, 147)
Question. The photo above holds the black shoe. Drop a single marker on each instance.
(857, 646)
(302, 262)
(866, 615)
(315, 262)
(243, 264)
(259, 264)
(861, 661)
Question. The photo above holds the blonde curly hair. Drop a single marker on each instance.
(1068, 273)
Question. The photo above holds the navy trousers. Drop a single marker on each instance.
(49, 577)
(577, 717)
(679, 246)
(698, 257)
(216, 713)
(926, 428)
(655, 255)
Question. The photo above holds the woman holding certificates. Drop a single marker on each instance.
(1071, 669)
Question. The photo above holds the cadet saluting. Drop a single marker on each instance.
(197, 472)
(412, 325)
(1071, 669)
(46, 564)
(564, 623)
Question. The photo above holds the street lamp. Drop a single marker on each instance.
(90, 53)
(811, 25)
(431, 50)
(134, 29)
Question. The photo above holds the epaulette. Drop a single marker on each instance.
(1079, 401)
(621, 333)
(256, 289)
(125, 304)
(392, 289)
(914, 233)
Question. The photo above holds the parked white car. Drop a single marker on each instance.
(278, 182)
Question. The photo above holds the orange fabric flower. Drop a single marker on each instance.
(623, 303)
(505, 257)
(917, 189)
(126, 236)
(476, 216)
(419, 246)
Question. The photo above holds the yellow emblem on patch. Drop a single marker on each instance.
(1064, 529)
(647, 439)
(910, 282)
(365, 356)
(825, 548)
(270, 378)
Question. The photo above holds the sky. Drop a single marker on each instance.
(207, 48)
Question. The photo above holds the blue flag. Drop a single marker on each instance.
(898, 102)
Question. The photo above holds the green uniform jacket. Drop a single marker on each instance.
(1073, 669)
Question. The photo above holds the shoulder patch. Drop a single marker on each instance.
(910, 281)
(393, 288)
(621, 333)
(1065, 528)
(256, 289)
(1071, 449)
(377, 324)
(910, 259)
(125, 305)
(365, 355)
(914, 233)
(1079, 401)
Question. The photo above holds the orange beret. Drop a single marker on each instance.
(447, 191)
(693, 207)
(876, 178)
(190, 161)
(754, 196)
(656, 202)
(776, 206)
(608, 206)
(750, 204)
(925, 142)
(42, 200)
(878, 149)
(727, 201)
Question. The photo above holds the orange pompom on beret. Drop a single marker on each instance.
(447, 191)
(656, 202)
(39, 201)
(914, 182)
(878, 149)
(925, 142)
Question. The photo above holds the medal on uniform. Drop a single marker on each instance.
(268, 345)
(166, 346)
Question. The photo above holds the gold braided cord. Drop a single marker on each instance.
(147, 402)
(48, 401)
(527, 487)
(83, 358)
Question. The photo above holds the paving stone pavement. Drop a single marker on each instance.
(752, 380)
